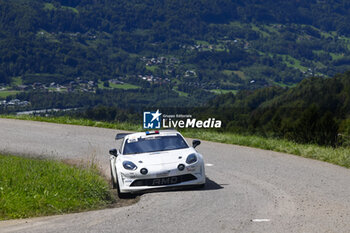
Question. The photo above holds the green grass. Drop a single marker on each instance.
(284, 84)
(336, 56)
(257, 29)
(124, 86)
(142, 32)
(326, 34)
(228, 72)
(220, 48)
(181, 93)
(295, 64)
(37, 187)
(240, 74)
(4, 94)
(339, 156)
(50, 6)
(222, 91)
(151, 68)
(271, 28)
(202, 42)
(17, 81)
(71, 8)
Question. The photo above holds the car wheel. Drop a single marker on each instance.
(123, 195)
(114, 185)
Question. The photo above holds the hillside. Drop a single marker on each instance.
(317, 110)
(217, 46)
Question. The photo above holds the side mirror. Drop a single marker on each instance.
(195, 143)
(114, 152)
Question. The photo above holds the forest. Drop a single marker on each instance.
(315, 111)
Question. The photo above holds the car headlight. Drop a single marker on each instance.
(192, 158)
(128, 165)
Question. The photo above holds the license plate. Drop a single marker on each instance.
(165, 181)
(162, 174)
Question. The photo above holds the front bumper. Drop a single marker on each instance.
(164, 178)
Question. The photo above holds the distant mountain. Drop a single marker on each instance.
(217, 45)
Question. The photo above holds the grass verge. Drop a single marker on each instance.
(339, 156)
(36, 187)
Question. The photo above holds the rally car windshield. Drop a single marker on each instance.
(153, 144)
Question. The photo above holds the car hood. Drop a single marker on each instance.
(161, 157)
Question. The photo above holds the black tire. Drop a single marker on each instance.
(123, 195)
(114, 184)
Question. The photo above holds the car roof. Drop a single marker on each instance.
(168, 132)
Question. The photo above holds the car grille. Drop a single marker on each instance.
(164, 181)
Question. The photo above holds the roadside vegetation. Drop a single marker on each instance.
(36, 187)
(336, 155)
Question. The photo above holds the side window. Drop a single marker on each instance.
(121, 146)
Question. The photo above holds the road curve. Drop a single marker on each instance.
(248, 190)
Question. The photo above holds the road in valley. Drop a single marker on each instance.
(248, 190)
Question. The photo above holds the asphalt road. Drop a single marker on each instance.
(248, 190)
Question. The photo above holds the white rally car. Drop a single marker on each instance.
(157, 159)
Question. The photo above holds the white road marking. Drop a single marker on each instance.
(209, 165)
(261, 220)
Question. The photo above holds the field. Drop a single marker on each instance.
(50, 6)
(4, 94)
(222, 91)
(124, 86)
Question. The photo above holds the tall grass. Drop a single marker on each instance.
(33, 187)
